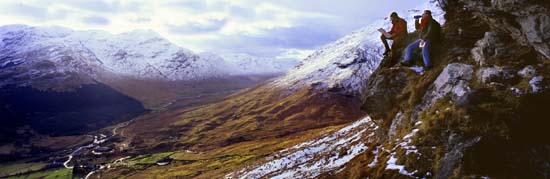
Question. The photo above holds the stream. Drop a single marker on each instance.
(98, 140)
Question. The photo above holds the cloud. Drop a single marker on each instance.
(31, 12)
(140, 19)
(102, 6)
(96, 20)
(195, 6)
(206, 26)
(283, 41)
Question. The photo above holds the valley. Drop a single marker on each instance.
(344, 111)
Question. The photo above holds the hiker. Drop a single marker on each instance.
(397, 33)
(429, 33)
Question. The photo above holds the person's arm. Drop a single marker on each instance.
(392, 31)
(416, 24)
(384, 33)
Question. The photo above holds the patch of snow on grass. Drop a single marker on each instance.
(312, 158)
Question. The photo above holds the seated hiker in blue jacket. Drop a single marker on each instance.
(430, 31)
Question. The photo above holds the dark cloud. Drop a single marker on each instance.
(194, 28)
(275, 41)
(96, 20)
(302, 37)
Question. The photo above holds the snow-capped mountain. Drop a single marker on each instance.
(344, 65)
(143, 54)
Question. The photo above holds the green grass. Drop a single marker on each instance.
(23, 166)
(61, 173)
(148, 159)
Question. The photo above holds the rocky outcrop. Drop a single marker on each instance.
(498, 74)
(527, 22)
(527, 72)
(488, 49)
(468, 107)
(381, 92)
(453, 81)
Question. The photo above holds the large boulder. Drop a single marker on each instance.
(380, 93)
(528, 72)
(488, 49)
(454, 81)
(495, 74)
(527, 22)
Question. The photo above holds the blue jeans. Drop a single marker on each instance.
(425, 52)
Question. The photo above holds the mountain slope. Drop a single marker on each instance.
(477, 114)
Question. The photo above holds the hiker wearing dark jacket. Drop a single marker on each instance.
(429, 33)
(397, 33)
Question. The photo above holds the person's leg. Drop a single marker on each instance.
(385, 41)
(426, 54)
(409, 50)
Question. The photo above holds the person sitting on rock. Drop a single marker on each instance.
(397, 33)
(430, 31)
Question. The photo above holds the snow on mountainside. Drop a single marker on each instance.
(144, 54)
(344, 65)
(243, 64)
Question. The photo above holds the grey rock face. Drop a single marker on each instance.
(381, 92)
(536, 84)
(396, 122)
(454, 81)
(527, 72)
(527, 22)
(451, 159)
(487, 49)
(495, 74)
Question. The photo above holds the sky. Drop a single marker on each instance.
(266, 28)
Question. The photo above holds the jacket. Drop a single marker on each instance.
(431, 31)
(399, 29)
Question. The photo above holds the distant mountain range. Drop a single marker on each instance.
(31, 55)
